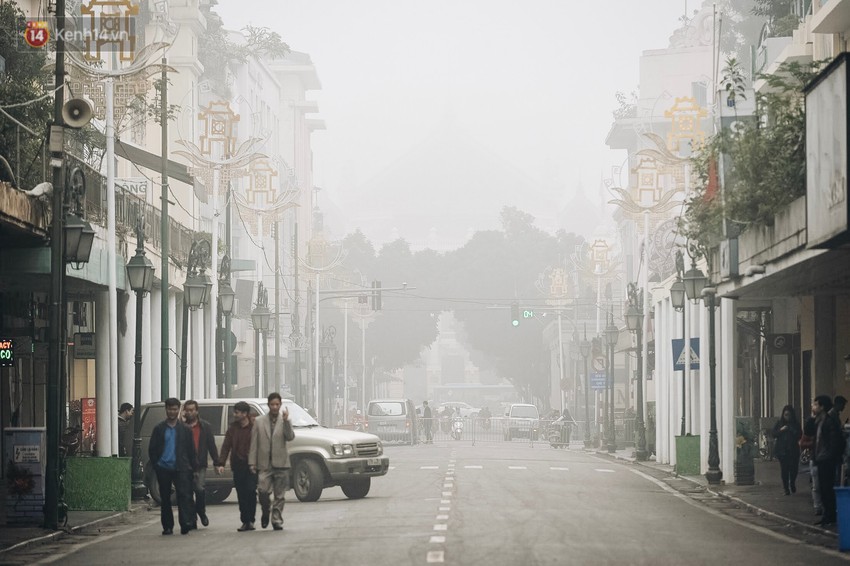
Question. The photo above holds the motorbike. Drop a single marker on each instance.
(558, 432)
(457, 428)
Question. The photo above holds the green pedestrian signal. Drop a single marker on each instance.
(515, 314)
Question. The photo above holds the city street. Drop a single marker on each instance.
(455, 503)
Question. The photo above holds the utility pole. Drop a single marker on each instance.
(296, 323)
(165, 347)
(55, 374)
(275, 375)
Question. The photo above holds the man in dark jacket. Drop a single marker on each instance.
(237, 445)
(171, 453)
(125, 430)
(203, 440)
(829, 446)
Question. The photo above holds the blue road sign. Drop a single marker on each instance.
(679, 354)
(598, 380)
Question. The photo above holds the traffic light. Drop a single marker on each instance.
(376, 295)
(515, 314)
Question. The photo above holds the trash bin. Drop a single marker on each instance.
(842, 503)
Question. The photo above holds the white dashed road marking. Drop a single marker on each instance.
(474, 467)
(517, 468)
(437, 539)
(441, 527)
(435, 557)
(429, 467)
(603, 470)
(560, 469)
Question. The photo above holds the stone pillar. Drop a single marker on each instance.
(196, 360)
(103, 377)
(175, 308)
(147, 359)
(155, 345)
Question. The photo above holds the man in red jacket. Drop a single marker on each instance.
(204, 441)
(237, 444)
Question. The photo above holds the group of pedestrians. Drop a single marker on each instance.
(180, 451)
(821, 444)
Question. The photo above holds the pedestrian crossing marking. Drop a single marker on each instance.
(604, 470)
(429, 467)
(560, 469)
(441, 527)
(517, 468)
(437, 539)
(442, 518)
(473, 467)
(435, 557)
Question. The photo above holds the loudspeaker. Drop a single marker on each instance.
(77, 112)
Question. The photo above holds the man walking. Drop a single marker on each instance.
(829, 446)
(171, 453)
(237, 445)
(203, 441)
(125, 430)
(427, 420)
(270, 460)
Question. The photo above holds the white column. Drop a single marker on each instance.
(662, 416)
(317, 404)
(726, 387)
(704, 393)
(212, 306)
(196, 360)
(345, 367)
(155, 386)
(208, 378)
(110, 254)
(694, 377)
(147, 358)
(127, 355)
(103, 377)
(175, 309)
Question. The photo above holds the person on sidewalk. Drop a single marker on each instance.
(807, 446)
(171, 452)
(237, 445)
(125, 430)
(829, 447)
(269, 459)
(786, 432)
(204, 442)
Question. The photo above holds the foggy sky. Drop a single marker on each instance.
(533, 81)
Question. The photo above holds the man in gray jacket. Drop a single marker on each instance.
(269, 458)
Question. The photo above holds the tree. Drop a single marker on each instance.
(22, 86)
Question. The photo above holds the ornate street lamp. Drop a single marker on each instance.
(677, 295)
(260, 318)
(695, 286)
(585, 352)
(196, 290)
(634, 321)
(140, 276)
(677, 299)
(612, 334)
(223, 341)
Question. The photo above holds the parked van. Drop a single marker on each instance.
(393, 420)
(320, 457)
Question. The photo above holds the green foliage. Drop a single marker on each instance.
(763, 161)
(491, 269)
(220, 56)
(22, 82)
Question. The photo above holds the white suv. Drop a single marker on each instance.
(522, 421)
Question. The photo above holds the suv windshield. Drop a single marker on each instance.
(297, 415)
(524, 412)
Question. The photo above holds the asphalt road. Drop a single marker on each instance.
(453, 503)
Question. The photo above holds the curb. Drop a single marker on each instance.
(57, 535)
(755, 509)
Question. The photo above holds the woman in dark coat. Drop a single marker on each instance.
(787, 433)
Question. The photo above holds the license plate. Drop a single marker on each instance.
(383, 423)
(373, 462)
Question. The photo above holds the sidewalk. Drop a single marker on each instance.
(766, 497)
(15, 537)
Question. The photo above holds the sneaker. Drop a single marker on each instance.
(264, 520)
(204, 519)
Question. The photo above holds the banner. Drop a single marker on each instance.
(89, 406)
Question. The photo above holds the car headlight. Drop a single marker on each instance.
(343, 450)
(380, 448)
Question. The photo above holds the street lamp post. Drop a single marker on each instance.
(196, 291)
(611, 336)
(140, 276)
(585, 352)
(260, 317)
(634, 321)
(677, 299)
(696, 286)
(225, 308)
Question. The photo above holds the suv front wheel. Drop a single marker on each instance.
(307, 480)
(357, 489)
